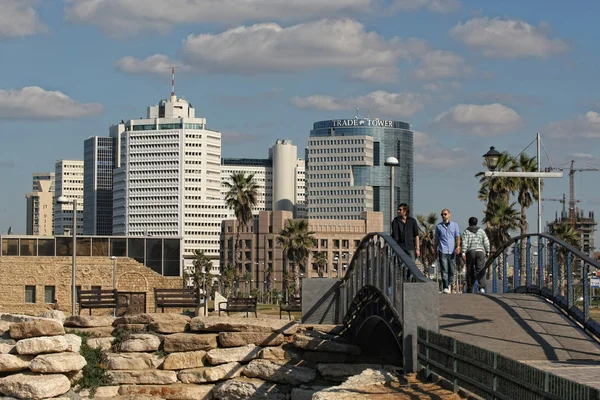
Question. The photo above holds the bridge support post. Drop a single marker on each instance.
(421, 308)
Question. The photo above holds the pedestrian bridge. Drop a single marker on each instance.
(526, 338)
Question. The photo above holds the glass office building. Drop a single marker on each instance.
(98, 164)
(345, 171)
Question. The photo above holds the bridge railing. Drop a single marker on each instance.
(547, 266)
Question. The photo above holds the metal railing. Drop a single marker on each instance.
(491, 375)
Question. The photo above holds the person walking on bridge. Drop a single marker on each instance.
(447, 240)
(406, 232)
(475, 250)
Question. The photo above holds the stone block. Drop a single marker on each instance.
(142, 377)
(232, 324)
(236, 339)
(130, 361)
(239, 389)
(44, 344)
(180, 342)
(92, 321)
(279, 372)
(184, 360)
(14, 362)
(57, 363)
(34, 386)
(211, 374)
(31, 329)
(237, 354)
(177, 391)
(139, 342)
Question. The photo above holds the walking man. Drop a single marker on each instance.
(447, 239)
(406, 232)
(475, 250)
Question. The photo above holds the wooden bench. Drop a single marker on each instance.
(178, 298)
(239, 304)
(293, 304)
(97, 298)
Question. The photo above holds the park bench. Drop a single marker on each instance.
(178, 298)
(97, 298)
(293, 304)
(239, 304)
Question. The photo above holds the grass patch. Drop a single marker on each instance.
(94, 372)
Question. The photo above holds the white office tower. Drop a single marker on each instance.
(40, 205)
(168, 182)
(68, 182)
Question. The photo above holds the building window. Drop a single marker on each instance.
(29, 294)
(49, 292)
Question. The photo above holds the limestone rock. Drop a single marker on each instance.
(57, 363)
(102, 331)
(236, 339)
(138, 342)
(169, 323)
(132, 327)
(7, 346)
(178, 342)
(54, 314)
(74, 342)
(184, 360)
(13, 362)
(211, 374)
(247, 389)
(279, 372)
(4, 329)
(348, 390)
(176, 391)
(44, 344)
(133, 319)
(239, 354)
(20, 318)
(281, 353)
(230, 324)
(142, 377)
(31, 329)
(129, 361)
(102, 343)
(34, 386)
(340, 372)
(105, 391)
(330, 329)
(92, 321)
(310, 343)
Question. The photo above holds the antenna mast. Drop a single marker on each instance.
(172, 81)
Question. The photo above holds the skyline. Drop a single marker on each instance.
(465, 76)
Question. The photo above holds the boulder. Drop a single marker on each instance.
(178, 342)
(44, 344)
(7, 346)
(31, 329)
(341, 372)
(105, 391)
(279, 372)
(54, 314)
(34, 386)
(142, 377)
(236, 339)
(169, 323)
(285, 352)
(315, 344)
(91, 321)
(129, 361)
(14, 362)
(184, 360)
(244, 389)
(20, 318)
(239, 354)
(177, 391)
(211, 374)
(138, 342)
(132, 327)
(57, 363)
(74, 342)
(230, 324)
(359, 387)
(102, 343)
(133, 319)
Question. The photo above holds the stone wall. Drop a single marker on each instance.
(42, 272)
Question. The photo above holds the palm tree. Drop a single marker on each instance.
(268, 279)
(427, 225)
(320, 259)
(567, 233)
(494, 188)
(296, 241)
(202, 266)
(527, 193)
(241, 197)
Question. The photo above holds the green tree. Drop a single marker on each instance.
(228, 279)
(427, 225)
(498, 188)
(296, 241)
(567, 233)
(201, 267)
(320, 259)
(241, 197)
(527, 194)
(269, 280)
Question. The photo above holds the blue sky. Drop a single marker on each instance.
(466, 74)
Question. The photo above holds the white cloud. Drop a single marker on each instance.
(378, 103)
(130, 16)
(440, 6)
(441, 64)
(509, 38)
(262, 48)
(481, 120)
(33, 102)
(431, 155)
(156, 64)
(19, 18)
(586, 126)
(439, 86)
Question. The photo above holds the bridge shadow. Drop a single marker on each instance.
(469, 320)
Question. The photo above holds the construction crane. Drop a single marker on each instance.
(563, 201)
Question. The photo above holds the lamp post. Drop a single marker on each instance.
(63, 200)
(391, 162)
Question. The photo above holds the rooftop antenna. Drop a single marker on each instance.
(369, 114)
(356, 115)
(172, 81)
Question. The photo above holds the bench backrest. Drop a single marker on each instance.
(192, 295)
(242, 301)
(97, 296)
(295, 301)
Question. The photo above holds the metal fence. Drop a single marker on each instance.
(490, 375)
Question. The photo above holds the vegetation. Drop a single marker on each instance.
(94, 373)
(567, 233)
(202, 266)
(427, 225)
(527, 194)
(296, 241)
(320, 259)
(119, 335)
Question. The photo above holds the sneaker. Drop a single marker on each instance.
(446, 291)
(482, 291)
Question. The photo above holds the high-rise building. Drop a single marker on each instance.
(169, 179)
(68, 183)
(99, 155)
(345, 171)
(40, 205)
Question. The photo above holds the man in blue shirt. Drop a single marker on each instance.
(447, 239)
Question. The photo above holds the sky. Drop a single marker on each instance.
(466, 74)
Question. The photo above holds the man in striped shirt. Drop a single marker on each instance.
(475, 250)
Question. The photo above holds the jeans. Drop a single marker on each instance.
(475, 271)
(447, 263)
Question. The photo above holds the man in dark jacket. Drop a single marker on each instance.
(406, 232)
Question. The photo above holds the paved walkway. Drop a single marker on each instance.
(524, 328)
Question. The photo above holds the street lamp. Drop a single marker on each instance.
(63, 200)
(391, 162)
(491, 158)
